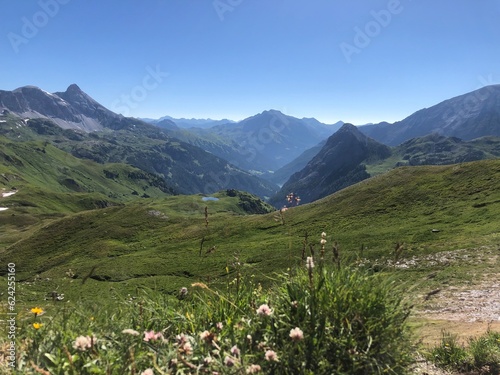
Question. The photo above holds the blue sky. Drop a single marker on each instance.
(356, 61)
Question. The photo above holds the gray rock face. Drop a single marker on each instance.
(72, 109)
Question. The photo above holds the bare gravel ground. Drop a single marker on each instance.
(467, 310)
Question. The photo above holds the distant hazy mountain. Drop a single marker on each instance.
(261, 143)
(281, 175)
(188, 123)
(337, 165)
(467, 116)
(187, 168)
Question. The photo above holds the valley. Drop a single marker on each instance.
(129, 208)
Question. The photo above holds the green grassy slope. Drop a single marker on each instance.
(435, 149)
(157, 242)
(52, 183)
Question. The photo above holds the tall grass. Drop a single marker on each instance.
(315, 320)
(481, 355)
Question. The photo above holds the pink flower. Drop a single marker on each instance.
(151, 335)
(181, 339)
(219, 326)
(148, 372)
(206, 336)
(235, 351)
(271, 356)
(296, 334)
(253, 369)
(264, 310)
(82, 343)
(207, 361)
(187, 348)
(228, 361)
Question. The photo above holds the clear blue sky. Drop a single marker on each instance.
(235, 58)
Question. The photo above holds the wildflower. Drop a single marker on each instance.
(183, 292)
(296, 334)
(253, 369)
(323, 241)
(249, 338)
(37, 311)
(187, 348)
(173, 362)
(151, 335)
(132, 332)
(83, 343)
(208, 336)
(295, 304)
(181, 339)
(219, 326)
(148, 372)
(310, 263)
(235, 351)
(264, 310)
(229, 361)
(37, 325)
(271, 356)
(207, 361)
(323, 235)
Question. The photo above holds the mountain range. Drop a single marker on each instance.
(186, 123)
(76, 123)
(472, 115)
(349, 156)
(304, 155)
(261, 144)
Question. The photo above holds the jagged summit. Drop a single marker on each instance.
(71, 109)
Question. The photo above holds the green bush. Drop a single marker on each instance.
(321, 320)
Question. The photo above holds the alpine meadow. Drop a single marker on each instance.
(238, 187)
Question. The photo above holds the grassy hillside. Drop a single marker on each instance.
(52, 183)
(185, 167)
(435, 149)
(157, 243)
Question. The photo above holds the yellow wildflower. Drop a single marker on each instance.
(37, 310)
(37, 325)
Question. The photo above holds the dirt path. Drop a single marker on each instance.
(464, 311)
